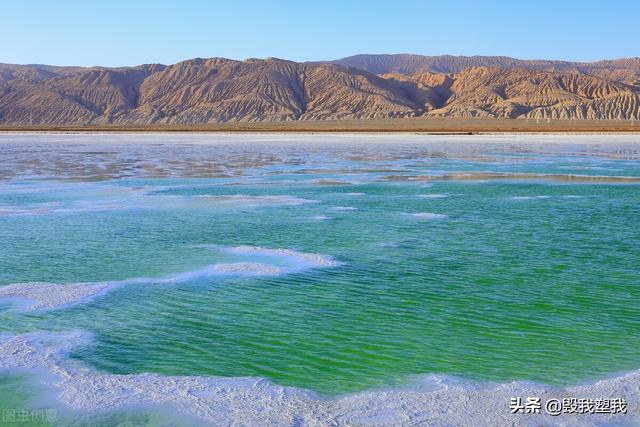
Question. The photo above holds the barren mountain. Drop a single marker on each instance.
(198, 91)
(224, 90)
(512, 93)
(625, 70)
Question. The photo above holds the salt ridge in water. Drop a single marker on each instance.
(429, 400)
(529, 197)
(428, 215)
(49, 295)
(107, 197)
(432, 196)
(257, 200)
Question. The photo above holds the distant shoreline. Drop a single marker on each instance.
(413, 125)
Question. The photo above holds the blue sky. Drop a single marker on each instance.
(119, 32)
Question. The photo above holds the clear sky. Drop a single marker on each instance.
(119, 32)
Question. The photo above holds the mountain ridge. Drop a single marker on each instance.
(219, 90)
(409, 64)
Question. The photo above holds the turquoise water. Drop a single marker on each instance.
(487, 279)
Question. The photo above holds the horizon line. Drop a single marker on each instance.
(324, 60)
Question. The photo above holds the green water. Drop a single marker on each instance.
(504, 285)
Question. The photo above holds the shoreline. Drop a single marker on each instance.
(539, 137)
(432, 126)
(72, 387)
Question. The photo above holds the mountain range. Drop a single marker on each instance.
(358, 87)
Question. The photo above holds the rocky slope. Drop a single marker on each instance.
(223, 90)
(518, 93)
(625, 70)
(198, 91)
